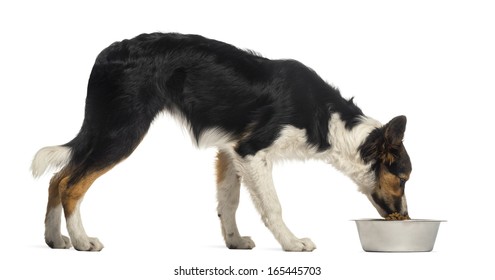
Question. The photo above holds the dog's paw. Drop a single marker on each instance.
(91, 244)
(61, 242)
(299, 245)
(244, 242)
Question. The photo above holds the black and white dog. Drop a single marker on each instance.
(255, 110)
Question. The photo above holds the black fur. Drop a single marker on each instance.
(209, 83)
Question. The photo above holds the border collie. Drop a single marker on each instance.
(253, 109)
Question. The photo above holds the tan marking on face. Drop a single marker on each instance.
(390, 183)
(222, 164)
(70, 196)
(388, 158)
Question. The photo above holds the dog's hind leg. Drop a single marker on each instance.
(109, 150)
(71, 197)
(62, 196)
(53, 235)
(93, 154)
(257, 175)
(228, 191)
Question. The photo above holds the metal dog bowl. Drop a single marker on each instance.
(378, 235)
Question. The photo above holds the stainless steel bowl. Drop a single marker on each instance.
(397, 236)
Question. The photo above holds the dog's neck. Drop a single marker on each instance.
(344, 153)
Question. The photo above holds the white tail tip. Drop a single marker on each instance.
(48, 158)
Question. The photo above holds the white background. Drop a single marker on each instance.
(433, 61)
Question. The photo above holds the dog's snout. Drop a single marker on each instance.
(386, 205)
(400, 205)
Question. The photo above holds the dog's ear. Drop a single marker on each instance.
(394, 130)
(383, 143)
(393, 134)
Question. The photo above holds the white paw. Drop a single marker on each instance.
(62, 242)
(244, 242)
(299, 245)
(91, 244)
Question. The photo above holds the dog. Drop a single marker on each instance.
(253, 109)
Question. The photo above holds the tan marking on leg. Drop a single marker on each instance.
(70, 196)
(54, 188)
(222, 164)
(53, 193)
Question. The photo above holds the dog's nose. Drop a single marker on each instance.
(397, 205)
(402, 206)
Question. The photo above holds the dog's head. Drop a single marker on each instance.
(391, 165)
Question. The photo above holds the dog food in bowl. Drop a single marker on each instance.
(378, 235)
(396, 216)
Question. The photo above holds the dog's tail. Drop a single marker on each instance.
(53, 157)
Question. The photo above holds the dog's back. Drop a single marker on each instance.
(210, 86)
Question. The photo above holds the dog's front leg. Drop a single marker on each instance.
(228, 191)
(257, 174)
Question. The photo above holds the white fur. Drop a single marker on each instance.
(292, 145)
(78, 235)
(50, 158)
(257, 174)
(53, 236)
(228, 191)
(213, 137)
(344, 152)
(256, 171)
